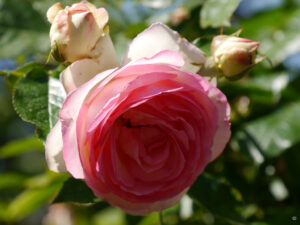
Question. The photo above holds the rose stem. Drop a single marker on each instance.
(161, 219)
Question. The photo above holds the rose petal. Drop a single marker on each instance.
(223, 132)
(135, 208)
(78, 73)
(68, 115)
(101, 16)
(105, 53)
(53, 149)
(159, 37)
(163, 57)
(53, 11)
(83, 35)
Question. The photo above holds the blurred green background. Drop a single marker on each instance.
(255, 181)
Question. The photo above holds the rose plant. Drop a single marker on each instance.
(142, 133)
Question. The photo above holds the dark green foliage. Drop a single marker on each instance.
(75, 190)
(30, 100)
(218, 196)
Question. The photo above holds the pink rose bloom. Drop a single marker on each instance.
(142, 134)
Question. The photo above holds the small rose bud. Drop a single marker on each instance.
(233, 56)
(78, 32)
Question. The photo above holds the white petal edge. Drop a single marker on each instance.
(105, 54)
(54, 149)
(78, 73)
(159, 37)
(164, 57)
(53, 11)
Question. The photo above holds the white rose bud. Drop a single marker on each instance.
(233, 56)
(80, 32)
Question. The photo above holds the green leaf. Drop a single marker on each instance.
(11, 180)
(75, 190)
(292, 159)
(28, 37)
(216, 13)
(218, 196)
(17, 147)
(30, 200)
(111, 216)
(41, 190)
(46, 179)
(56, 97)
(2, 73)
(23, 70)
(36, 96)
(15, 42)
(271, 135)
(30, 100)
(3, 206)
(13, 76)
(257, 93)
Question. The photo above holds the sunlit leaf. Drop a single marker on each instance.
(34, 197)
(111, 216)
(30, 200)
(46, 179)
(273, 134)
(217, 13)
(56, 96)
(17, 147)
(3, 206)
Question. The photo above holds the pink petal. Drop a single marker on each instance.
(136, 208)
(68, 116)
(223, 132)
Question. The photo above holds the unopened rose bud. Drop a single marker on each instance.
(233, 56)
(78, 32)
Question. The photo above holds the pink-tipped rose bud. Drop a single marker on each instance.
(233, 56)
(78, 32)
